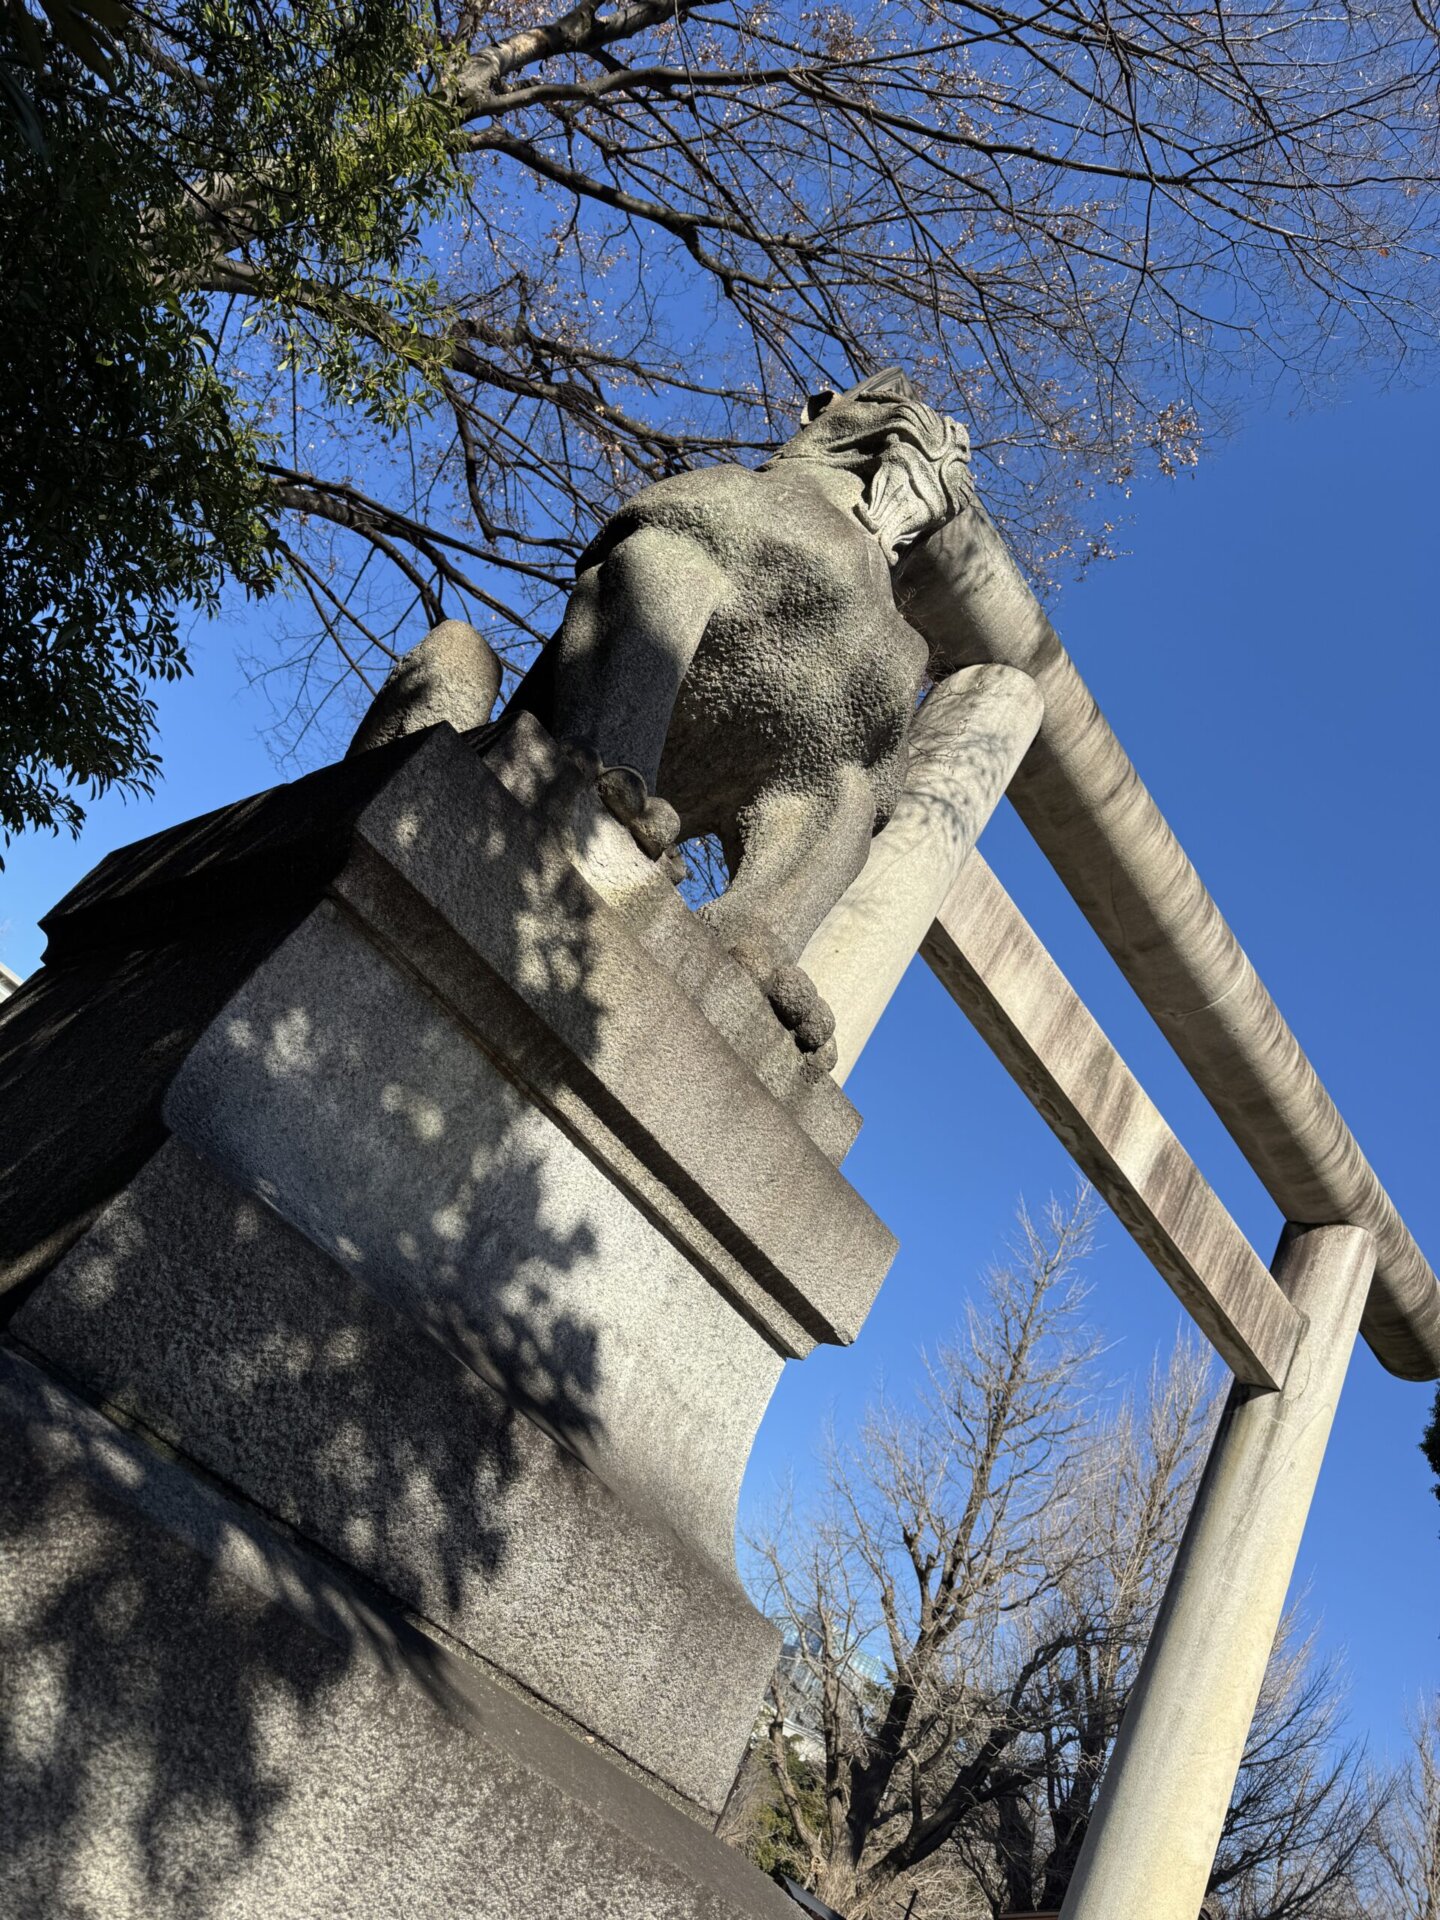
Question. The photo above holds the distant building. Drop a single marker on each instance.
(800, 1686)
(8, 982)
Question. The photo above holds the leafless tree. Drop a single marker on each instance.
(1088, 228)
(1127, 1504)
(1407, 1881)
(966, 1614)
(937, 1530)
(1301, 1833)
(1301, 1830)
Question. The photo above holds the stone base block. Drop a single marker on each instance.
(197, 1722)
(493, 1200)
(198, 1313)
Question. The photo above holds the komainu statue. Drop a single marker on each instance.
(732, 662)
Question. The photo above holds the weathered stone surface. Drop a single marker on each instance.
(259, 861)
(346, 1097)
(1152, 1839)
(967, 740)
(733, 637)
(534, 1239)
(86, 1053)
(337, 1088)
(529, 765)
(144, 951)
(197, 1311)
(995, 967)
(198, 1722)
(453, 675)
(141, 956)
(466, 889)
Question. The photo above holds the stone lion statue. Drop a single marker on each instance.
(732, 662)
(733, 658)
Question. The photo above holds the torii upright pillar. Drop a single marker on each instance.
(1157, 1825)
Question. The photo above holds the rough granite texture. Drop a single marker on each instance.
(530, 766)
(264, 859)
(465, 887)
(198, 1722)
(453, 675)
(345, 1096)
(195, 1310)
(149, 945)
(497, 1245)
(86, 1053)
(484, 914)
(142, 954)
(733, 637)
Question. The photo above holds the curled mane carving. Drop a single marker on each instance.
(915, 462)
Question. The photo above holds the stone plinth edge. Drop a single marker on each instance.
(478, 899)
(288, 1747)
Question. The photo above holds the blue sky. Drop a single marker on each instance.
(1268, 655)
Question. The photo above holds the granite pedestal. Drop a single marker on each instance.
(408, 1177)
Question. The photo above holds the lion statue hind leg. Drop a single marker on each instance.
(798, 849)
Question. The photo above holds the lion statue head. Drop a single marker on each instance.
(915, 462)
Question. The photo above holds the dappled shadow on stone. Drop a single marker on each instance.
(114, 1793)
(259, 1741)
(370, 1348)
(86, 1053)
(408, 1290)
(142, 954)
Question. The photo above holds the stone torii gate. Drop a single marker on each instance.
(1014, 715)
(407, 1207)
